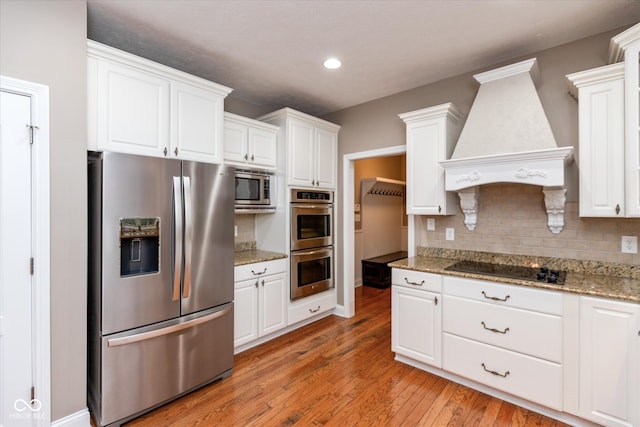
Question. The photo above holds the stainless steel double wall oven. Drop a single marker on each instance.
(311, 242)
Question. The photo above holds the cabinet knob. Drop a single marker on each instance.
(176, 151)
(252, 157)
(165, 151)
(617, 209)
(246, 157)
(439, 208)
(313, 182)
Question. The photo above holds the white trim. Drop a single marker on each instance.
(348, 228)
(39, 95)
(77, 419)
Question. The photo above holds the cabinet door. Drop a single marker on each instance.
(632, 127)
(601, 128)
(273, 303)
(132, 110)
(262, 147)
(245, 311)
(196, 132)
(326, 158)
(235, 142)
(416, 325)
(301, 168)
(610, 361)
(425, 176)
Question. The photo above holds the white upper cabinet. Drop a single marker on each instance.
(600, 93)
(249, 142)
(431, 137)
(137, 106)
(312, 148)
(625, 47)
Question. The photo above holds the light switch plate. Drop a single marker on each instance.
(629, 244)
(431, 224)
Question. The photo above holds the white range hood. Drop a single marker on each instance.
(507, 139)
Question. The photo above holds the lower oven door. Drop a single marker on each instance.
(311, 271)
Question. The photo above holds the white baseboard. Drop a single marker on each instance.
(78, 419)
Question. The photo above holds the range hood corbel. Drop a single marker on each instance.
(507, 139)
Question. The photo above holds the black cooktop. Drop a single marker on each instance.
(542, 274)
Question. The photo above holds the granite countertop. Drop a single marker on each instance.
(606, 280)
(250, 256)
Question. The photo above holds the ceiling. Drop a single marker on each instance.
(271, 51)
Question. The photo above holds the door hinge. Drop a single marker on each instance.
(31, 266)
(31, 128)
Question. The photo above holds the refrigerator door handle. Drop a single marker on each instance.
(177, 246)
(114, 342)
(188, 236)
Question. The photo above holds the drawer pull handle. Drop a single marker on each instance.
(259, 274)
(414, 283)
(314, 311)
(496, 298)
(497, 331)
(494, 372)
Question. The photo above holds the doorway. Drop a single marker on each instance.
(24, 254)
(348, 220)
(380, 218)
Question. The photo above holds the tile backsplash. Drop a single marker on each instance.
(246, 225)
(512, 219)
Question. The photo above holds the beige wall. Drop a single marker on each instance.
(45, 42)
(376, 125)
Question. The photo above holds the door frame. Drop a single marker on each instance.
(39, 95)
(348, 227)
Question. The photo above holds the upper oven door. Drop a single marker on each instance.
(311, 226)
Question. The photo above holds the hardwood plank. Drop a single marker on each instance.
(336, 372)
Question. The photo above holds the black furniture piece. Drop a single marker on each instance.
(375, 271)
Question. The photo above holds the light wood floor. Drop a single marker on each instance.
(337, 372)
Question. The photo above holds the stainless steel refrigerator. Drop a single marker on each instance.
(160, 281)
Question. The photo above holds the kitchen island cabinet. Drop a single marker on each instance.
(260, 300)
(557, 349)
(609, 362)
(137, 106)
(416, 321)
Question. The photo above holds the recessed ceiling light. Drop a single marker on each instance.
(332, 63)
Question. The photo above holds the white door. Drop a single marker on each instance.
(16, 344)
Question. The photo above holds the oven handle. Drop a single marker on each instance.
(319, 251)
(312, 206)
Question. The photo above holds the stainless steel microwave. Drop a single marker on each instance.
(254, 191)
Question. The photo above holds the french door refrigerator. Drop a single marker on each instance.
(160, 281)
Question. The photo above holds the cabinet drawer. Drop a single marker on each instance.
(311, 306)
(529, 332)
(528, 377)
(542, 300)
(416, 280)
(258, 269)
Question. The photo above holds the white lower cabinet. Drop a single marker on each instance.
(311, 306)
(416, 322)
(609, 362)
(506, 337)
(260, 300)
(531, 378)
